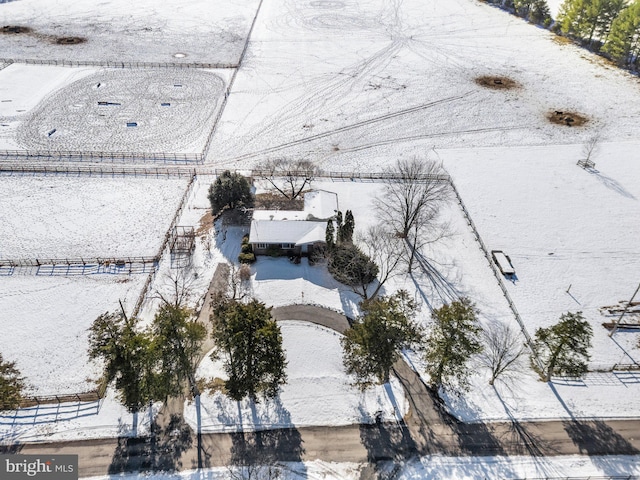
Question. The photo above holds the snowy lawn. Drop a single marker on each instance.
(318, 392)
(60, 217)
(562, 226)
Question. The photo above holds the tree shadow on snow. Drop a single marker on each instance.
(432, 282)
(613, 185)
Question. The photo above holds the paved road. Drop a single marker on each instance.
(427, 429)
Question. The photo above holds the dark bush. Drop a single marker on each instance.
(246, 258)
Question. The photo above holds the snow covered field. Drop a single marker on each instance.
(73, 421)
(169, 111)
(45, 322)
(191, 31)
(317, 390)
(354, 84)
(516, 217)
(60, 217)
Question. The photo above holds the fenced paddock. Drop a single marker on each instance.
(120, 114)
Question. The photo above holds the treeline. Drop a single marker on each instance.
(608, 27)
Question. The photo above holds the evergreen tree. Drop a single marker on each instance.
(349, 225)
(453, 339)
(349, 265)
(127, 358)
(339, 223)
(536, 11)
(230, 190)
(252, 345)
(589, 20)
(563, 348)
(176, 345)
(623, 43)
(11, 385)
(330, 234)
(374, 342)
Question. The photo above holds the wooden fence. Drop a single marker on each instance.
(79, 266)
(498, 276)
(92, 396)
(111, 64)
(167, 236)
(91, 156)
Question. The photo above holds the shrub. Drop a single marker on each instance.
(245, 272)
(350, 266)
(246, 258)
(274, 251)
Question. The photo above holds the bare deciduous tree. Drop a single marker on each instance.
(385, 250)
(591, 146)
(413, 197)
(179, 286)
(289, 177)
(503, 351)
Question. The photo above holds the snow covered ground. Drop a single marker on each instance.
(563, 227)
(515, 217)
(73, 421)
(59, 217)
(437, 468)
(317, 391)
(62, 109)
(45, 322)
(192, 31)
(355, 84)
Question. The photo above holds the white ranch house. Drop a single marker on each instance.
(294, 232)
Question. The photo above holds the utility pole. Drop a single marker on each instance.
(615, 325)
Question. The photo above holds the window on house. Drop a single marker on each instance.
(287, 246)
(262, 245)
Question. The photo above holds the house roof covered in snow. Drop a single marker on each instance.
(318, 205)
(283, 231)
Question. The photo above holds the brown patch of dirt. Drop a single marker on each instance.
(275, 201)
(68, 40)
(560, 40)
(569, 119)
(15, 30)
(497, 83)
(206, 223)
